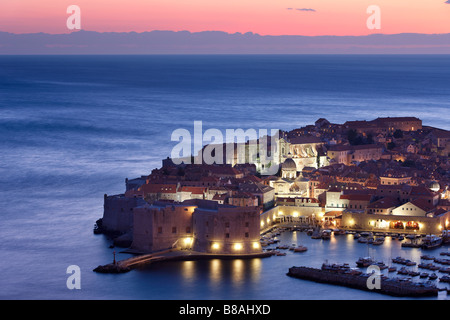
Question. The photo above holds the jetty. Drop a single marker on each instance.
(173, 254)
(345, 277)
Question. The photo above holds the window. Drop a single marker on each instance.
(159, 230)
(188, 229)
(227, 224)
(174, 229)
(227, 235)
(247, 224)
(246, 234)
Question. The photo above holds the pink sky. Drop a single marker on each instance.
(266, 17)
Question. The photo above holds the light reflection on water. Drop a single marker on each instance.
(266, 278)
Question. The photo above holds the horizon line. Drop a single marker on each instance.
(225, 32)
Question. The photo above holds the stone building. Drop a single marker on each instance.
(289, 169)
(200, 225)
(348, 155)
(118, 212)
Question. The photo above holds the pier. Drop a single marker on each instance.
(174, 254)
(341, 277)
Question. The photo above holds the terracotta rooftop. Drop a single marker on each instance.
(384, 203)
(356, 197)
(158, 188)
(422, 204)
(304, 140)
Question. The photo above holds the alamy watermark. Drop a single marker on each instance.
(74, 280)
(374, 280)
(374, 20)
(74, 20)
(236, 146)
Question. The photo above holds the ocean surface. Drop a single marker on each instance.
(74, 127)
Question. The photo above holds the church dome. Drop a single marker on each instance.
(289, 164)
(434, 186)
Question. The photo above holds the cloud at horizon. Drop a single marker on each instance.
(348, 17)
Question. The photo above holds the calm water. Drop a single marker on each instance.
(73, 128)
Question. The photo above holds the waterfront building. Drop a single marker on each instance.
(199, 225)
(383, 206)
(432, 223)
(417, 207)
(118, 213)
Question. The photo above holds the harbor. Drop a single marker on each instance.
(424, 272)
(406, 271)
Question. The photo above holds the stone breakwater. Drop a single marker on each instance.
(170, 255)
(389, 286)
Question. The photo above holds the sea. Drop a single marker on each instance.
(74, 127)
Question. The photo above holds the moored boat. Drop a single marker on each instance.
(403, 271)
(410, 263)
(392, 269)
(381, 265)
(378, 241)
(337, 232)
(300, 249)
(444, 270)
(365, 262)
(431, 242)
(433, 276)
(326, 234)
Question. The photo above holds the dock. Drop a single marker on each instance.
(389, 286)
(174, 254)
